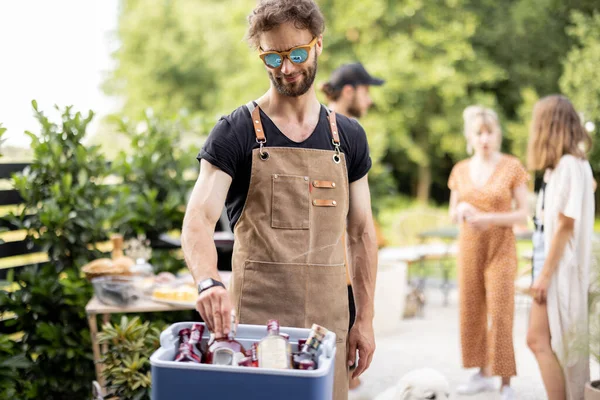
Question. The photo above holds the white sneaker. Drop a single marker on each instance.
(508, 393)
(477, 384)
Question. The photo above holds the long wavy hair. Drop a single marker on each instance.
(556, 130)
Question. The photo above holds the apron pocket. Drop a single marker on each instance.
(298, 295)
(272, 291)
(290, 204)
(327, 294)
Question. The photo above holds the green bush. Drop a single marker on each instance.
(12, 362)
(154, 192)
(66, 209)
(126, 363)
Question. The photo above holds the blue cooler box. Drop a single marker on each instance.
(184, 380)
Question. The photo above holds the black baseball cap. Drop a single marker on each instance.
(353, 74)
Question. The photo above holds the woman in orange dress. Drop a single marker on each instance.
(484, 188)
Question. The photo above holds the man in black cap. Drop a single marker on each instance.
(348, 90)
(347, 93)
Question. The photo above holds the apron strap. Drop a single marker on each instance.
(260, 133)
(335, 137)
(333, 126)
(258, 128)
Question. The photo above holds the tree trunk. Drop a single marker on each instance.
(424, 183)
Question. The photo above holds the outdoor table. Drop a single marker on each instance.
(95, 307)
(450, 233)
(144, 305)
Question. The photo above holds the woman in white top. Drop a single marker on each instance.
(559, 314)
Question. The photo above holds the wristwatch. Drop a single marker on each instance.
(208, 283)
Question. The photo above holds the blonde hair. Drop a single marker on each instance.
(476, 118)
(556, 130)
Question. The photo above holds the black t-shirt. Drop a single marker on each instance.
(229, 148)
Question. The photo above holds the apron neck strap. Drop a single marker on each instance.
(260, 133)
(333, 126)
(258, 128)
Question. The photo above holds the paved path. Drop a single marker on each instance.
(433, 341)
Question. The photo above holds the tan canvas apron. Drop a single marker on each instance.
(288, 255)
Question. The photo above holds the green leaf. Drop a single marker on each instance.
(18, 361)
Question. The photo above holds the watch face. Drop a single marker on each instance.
(206, 283)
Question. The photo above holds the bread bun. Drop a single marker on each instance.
(124, 263)
(105, 266)
(98, 265)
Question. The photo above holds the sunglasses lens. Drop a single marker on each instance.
(298, 56)
(273, 60)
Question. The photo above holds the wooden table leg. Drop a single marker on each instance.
(93, 323)
(105, 320)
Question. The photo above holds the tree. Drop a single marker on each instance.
(173, 56)
(436, 57)
(423, 49)
(581, 78)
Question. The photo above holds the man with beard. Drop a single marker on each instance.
(348, 90)
(348, 94)
(293, 176)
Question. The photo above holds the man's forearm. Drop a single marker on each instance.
(199, 250)
(363, 270)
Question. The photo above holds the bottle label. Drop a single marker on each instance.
(317, 335)
(223, 356)
(226, 356)
(273, 353)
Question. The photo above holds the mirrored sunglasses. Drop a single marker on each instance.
(297, 55)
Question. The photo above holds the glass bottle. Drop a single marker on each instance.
(117, 242)
(121, 261)
(186, 351)
(311, 348)
(226, 350)
(142, 268)
(273, 348)
(196, 340)
(301, 344)
(254, 354)
(289, 348)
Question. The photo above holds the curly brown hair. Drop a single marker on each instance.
(268, 14)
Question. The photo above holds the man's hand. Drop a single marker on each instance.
(215, 308)
(361, 338)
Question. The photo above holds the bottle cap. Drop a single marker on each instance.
(273, 326)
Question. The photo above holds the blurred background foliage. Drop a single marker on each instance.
(436, 58)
